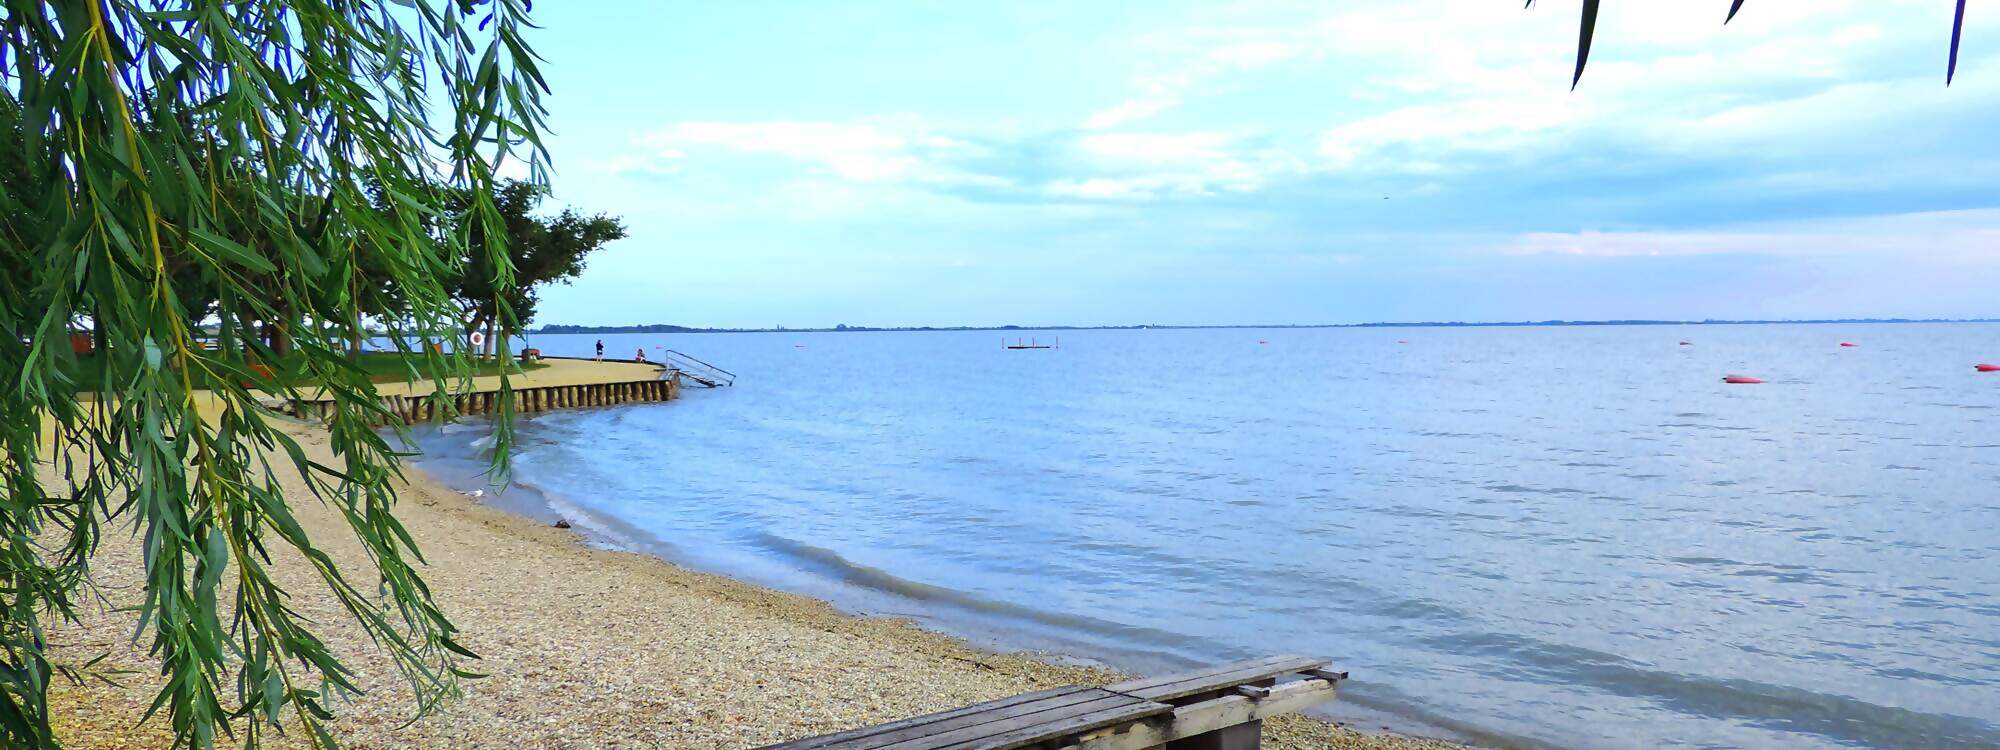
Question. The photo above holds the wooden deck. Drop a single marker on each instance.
(1218, 708)
(564, 383)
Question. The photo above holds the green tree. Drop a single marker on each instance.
(169, 160)
(542, 251)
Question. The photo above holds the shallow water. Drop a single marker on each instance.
(1566, 536)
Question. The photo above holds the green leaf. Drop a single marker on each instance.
(1583, 40)
(1957, 27)
(228, 249)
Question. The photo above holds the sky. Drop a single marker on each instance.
(1269, 161)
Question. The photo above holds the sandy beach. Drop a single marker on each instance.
(588, 648)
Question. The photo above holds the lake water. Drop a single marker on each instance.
(1574, 537)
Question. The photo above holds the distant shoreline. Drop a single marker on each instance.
(664, 328)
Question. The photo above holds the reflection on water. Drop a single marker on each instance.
(1575, 536)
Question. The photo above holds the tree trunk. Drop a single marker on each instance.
(354, 336)
(281, 332)
(478, 324)
(225, 327)
(247, 328)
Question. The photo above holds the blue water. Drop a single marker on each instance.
(1573, 537)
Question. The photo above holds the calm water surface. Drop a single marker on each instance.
(1574, 537)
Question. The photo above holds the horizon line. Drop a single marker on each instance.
(564, 328)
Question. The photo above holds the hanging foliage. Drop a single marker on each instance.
(1589, 27)
(202, 202)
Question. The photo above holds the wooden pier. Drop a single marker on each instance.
(575, 384)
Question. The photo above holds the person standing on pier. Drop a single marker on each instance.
(600, 350)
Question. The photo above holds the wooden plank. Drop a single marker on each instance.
(1197, 719)
(1216, 678)
(1033, 723)
(1221, 675)
(813, 743)
(1110, 717)
(1032, 717)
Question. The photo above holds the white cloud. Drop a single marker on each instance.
(1140, 165)
(1441, 129)
(855, 151)
(1464, 78)
(1961, 236)
(1131, 110)
(1440, 90)
(1093, 166)
(1213, 58)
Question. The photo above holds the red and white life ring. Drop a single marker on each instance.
(478, 339)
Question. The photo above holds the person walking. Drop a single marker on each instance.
(600, 350)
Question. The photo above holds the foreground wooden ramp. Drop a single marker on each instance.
(1218, 708)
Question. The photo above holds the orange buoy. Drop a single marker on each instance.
(1848, 344)
(1740, 379)
(1987, 368)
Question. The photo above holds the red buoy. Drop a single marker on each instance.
(1849, 344)
(1987, 368)
(1740, 379)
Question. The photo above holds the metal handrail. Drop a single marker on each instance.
(707, 371)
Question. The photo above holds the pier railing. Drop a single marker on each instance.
(696, 371)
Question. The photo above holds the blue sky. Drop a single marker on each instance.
(1268, 161)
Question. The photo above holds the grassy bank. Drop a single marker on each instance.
(588, 648)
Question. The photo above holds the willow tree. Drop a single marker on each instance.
(163, 158)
